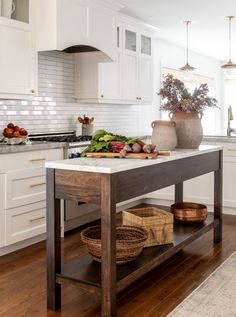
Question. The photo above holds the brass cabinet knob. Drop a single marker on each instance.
(102, 96)
(32, 91)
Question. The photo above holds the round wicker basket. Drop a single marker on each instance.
(189, 212)
(130, 241)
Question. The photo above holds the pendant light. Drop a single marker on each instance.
(187, 68)
(229, 68)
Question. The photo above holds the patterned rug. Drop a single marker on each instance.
(215, 297)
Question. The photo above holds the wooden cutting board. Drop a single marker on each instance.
(129, 155)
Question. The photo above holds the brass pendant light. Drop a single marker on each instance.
(187, 67)
(230, 66)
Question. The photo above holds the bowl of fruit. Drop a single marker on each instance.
(14, 134)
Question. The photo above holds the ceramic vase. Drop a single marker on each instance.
(164, 135)
(188, 129)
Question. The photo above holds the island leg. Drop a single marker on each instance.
(108, 223)
(218, 193)
(53, 244)
(179, 190)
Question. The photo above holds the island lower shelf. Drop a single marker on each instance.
(85, 271)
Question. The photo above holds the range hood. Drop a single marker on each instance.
(74, 26)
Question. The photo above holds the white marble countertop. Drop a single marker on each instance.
(114, 165)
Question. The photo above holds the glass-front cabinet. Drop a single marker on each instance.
(138, 61)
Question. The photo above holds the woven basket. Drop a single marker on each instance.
(157, 222)
(130, 241)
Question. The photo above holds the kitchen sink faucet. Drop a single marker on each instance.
(230, 117)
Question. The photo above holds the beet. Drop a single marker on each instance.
(116, 146)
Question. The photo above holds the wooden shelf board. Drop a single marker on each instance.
(84, 270)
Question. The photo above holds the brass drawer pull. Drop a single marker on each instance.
(38, 184)
(231, 150)
(38, 218)
(38, 159)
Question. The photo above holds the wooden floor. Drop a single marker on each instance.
(23, 280)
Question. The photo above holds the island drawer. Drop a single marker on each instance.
(30, 159)
(25, 222)
(25, 186)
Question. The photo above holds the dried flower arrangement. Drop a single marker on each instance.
(177, 98)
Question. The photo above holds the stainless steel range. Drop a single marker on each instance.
(75, 213)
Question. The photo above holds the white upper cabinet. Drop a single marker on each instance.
(130, 64)
(18, 60)
(138, 65)
(61, 24)
(127, 80)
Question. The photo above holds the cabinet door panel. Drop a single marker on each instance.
(145, 79)
(200, 189)
(229, 189)
(17, 62)
(2, 206)
(110, 79)
(130, 76)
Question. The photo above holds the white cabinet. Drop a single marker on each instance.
(2, 212)
(128, 80)
(68, 23)
(18, 61)
(138, 65)
(229, 185)
(97, 79)
(23, 194)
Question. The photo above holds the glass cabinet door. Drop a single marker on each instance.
(146, 45)
(130, 40)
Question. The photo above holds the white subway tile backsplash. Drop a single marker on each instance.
(55, 109)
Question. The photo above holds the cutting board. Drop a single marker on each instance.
(129, 155)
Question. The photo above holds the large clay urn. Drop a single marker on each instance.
(188, 129)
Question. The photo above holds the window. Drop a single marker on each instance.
(209, 117)
(230, 98)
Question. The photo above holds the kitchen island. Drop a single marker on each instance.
(108, 182)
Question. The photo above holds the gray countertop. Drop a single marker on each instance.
(219, 139)
(7, 149)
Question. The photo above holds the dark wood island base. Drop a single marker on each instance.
(108, 189)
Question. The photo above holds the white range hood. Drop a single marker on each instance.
(74, 25)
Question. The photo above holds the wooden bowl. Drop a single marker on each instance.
(187, 212)
(130, 242)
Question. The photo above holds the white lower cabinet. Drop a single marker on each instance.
(23, 194)
(199, 189)
(2, 213)
(25, 222)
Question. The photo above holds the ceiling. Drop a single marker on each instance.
(209, 32)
